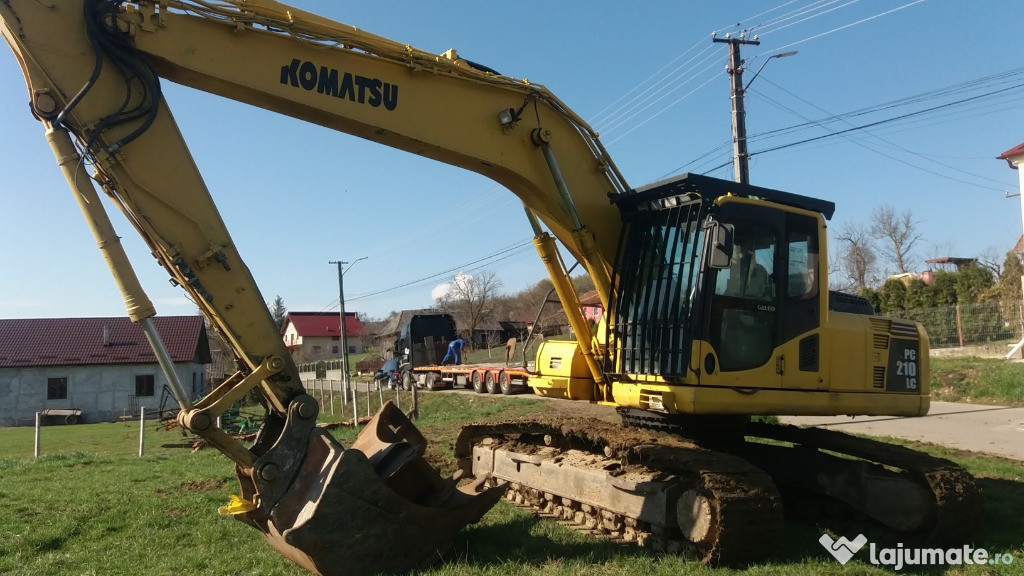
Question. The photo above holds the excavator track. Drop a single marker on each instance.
(920, 497)
(718, 500)
(641, 486)
(923, 497)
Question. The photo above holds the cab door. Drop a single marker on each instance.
(763, 316)
(741, 332)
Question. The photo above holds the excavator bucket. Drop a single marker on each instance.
(377, 507)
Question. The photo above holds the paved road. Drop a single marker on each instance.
(995, 430)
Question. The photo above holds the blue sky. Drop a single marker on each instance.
(645, 74)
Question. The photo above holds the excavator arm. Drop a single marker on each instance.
(93, 70)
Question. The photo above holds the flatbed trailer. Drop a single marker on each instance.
(483, 378)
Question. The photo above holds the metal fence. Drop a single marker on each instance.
(968, 324)
(361, 400)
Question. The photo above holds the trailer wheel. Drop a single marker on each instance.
(491, 383)
(71, 419)
(430, 381)
(407, 381)
(478, 382)
(505, 383)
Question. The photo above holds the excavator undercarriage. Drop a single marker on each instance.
(716, 500)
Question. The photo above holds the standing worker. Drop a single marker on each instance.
(510, 350)
(454, 355)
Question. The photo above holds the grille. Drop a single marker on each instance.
(881, 325)
(904, 329)
(881, 341)
(809, 354)
(657, 273)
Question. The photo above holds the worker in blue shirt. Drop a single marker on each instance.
(454, 355)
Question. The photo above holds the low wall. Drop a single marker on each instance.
(999, 350)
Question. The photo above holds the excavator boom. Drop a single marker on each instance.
(93, 71)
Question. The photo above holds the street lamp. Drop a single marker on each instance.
(341, 327)
(765, 63)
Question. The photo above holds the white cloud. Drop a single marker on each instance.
(439, 291)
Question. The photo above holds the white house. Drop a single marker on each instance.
(317, 335)
(101, 366)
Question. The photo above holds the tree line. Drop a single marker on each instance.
(877, 261)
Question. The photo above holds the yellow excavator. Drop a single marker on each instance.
(716, 294)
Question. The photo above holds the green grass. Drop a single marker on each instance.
(91, 506)
(978, 380)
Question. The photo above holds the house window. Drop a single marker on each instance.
(198, 382)
(351, 349)
(144, 385)
(335, 338)
(334, 349)
(316, 349)
(57, 388)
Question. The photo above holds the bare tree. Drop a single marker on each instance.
(469, 299)
(897, 234)
(857, 259)
(991, 259)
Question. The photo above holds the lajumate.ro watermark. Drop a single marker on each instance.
(899, 557)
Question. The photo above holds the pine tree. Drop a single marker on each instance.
(278, 311)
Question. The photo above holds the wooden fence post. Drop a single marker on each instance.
(959, 326)
(415, 402)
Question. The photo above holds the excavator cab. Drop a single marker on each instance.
(708, 261)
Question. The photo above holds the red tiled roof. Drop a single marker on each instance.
(591, 299)
(312, 324)
(1017, 150)
(80, 341)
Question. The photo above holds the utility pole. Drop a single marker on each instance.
(739, 127)
(341, 328)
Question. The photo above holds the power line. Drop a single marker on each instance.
(489, 259)
(802, 20)
(992, 80)
(884, 121)
(998, 79)
(850, 25)
(890, 143)
(669, 84)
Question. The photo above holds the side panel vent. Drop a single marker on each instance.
(878, 378)
(904, 329)
(881, 341)
(880, 327)
(809, 353)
